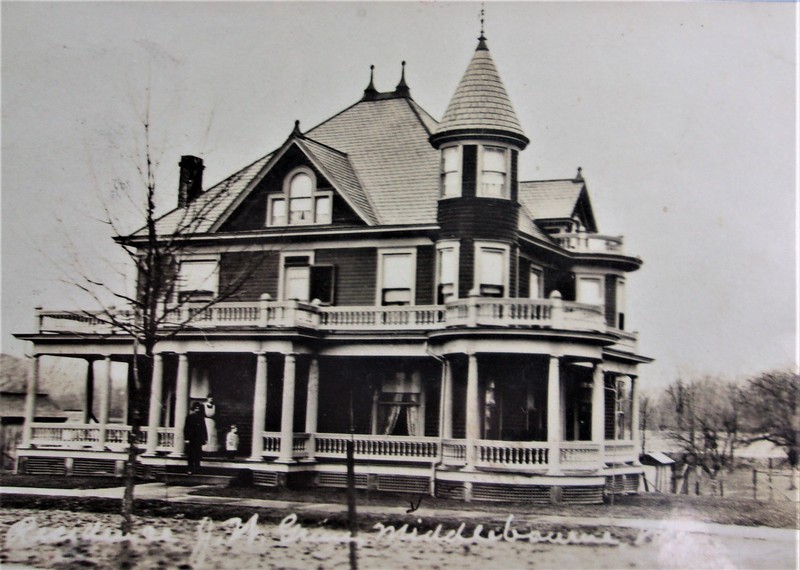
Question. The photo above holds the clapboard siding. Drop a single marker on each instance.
(250, 274)
(425, 275)
(479, 218)
(356, 273)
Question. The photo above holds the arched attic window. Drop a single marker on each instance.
(300, 203)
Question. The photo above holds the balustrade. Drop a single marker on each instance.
(511, 454)
(87, 436)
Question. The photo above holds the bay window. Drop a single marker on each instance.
(397, 276)
(451, 171)
(590, 290)
(447, 272)
(494, 172)
(491, 273)
(535, 287)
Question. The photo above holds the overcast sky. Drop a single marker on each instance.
(682, 116)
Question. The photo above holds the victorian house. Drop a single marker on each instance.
(402, 288)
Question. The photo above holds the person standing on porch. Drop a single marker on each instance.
(210, 410)
(196, 437)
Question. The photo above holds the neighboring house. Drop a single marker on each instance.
(13, 387)
(465, 328)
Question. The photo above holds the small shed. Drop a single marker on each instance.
(657, 472)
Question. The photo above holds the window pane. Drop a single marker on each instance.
(301, 186)
(451, 184)
(492, 267)
(536, 285)
(447, 265)
(300, 209)
(297, 280)
(493, 183)
(590, 291)
(278, 212)
(494, 159)
(450, 159)
(322, 212)
(398, 272)
(198, 276)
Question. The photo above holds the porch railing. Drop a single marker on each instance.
(385, 447)
(87, 436)
(272, 444)
(579, 453)
(511, 454)
(623, 450)
(469, 312)
(589, 243)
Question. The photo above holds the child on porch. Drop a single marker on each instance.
(232, 441)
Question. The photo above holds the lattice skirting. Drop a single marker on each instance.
(265, 478)
(622, 484)
(339, 480)
(86, 467)
(45, 466)
(582, 495)
(534, 494)
(450, 490)
(403, 483)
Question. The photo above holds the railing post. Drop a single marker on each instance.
(30, 403)
(259, 407)
(181, 404)
(557, 310)
(154, 415)
(264, 309)
(472, 308)
(286, 454)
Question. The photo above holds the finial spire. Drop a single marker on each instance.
(296, 131)
(579, 175)
(370, 92)
(482, 38)
(402, 87)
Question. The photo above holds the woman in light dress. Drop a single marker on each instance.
(210, 410)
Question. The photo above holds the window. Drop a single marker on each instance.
(490, 270)
(400, 406)
(296, 278)
(397, 277)
(590, 290)
(621, 304)
(535, 288)
(494, 167)
(447, 276)
(300, 203)
(197, 279)
(451, 171)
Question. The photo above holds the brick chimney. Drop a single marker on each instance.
(190, 185)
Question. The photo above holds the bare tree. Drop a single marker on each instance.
(703, 420)
(772, 411)
(157, 309)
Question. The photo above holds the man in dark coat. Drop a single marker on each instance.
(196, 437)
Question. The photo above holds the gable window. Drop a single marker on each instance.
(198, 279)
(451, 172)
(491, 275)
(301, 202)
(447, 272)
(397, 277)
(494, 170)
(590, 290)
(535, 291)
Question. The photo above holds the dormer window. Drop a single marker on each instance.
(451, 172)
(494, 172)
(300, 203)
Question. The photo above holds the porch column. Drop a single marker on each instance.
(30, 403)
(154, 415)
(599, 410)
(554, 414)
(473, 416)
(181, 403)
(447, 399)
(287, 410)
(312, 405)
(635, 436)
(88, 394)
(105, 399)
(259, 407)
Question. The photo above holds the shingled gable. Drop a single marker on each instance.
(334, 166)
(551, 200)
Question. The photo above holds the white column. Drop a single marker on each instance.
(181, 404)
(635, 435)
(447, 400)
(473, 432)
(259, 407)
(554, 414)
(599, 409)
(154, 415)
(30, 403)
(312, 405)
(105, 399)
(287, 410)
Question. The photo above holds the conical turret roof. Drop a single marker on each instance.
(480, 105)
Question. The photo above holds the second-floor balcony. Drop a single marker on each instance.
(471, 312)
(583, 242)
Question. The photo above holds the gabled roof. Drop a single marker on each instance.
(556, 199)
(481, 103)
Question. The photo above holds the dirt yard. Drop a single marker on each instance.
(62, 539)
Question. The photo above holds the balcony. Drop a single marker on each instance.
(266, 314)
(582, 242)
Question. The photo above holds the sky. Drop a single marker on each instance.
(683, 117)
